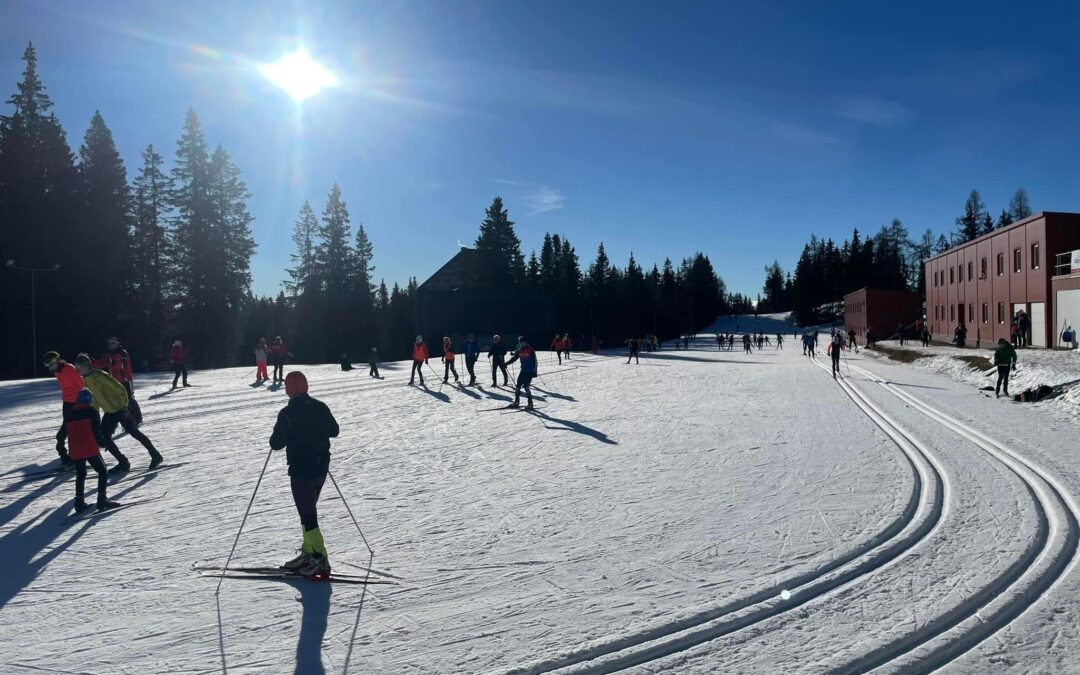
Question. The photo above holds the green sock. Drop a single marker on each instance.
(307, 543)
(314, 540)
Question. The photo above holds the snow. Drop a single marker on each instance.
(701, 512)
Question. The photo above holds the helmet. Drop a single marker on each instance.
(497, 338)
(51, 359)
(176, 343)
(83, 361)
(522, 340)
(419, 339)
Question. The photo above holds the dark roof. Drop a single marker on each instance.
(458, 272)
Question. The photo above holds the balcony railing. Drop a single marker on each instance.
(1063, 264)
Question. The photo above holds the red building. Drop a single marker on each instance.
(880, 311)
(985, 282)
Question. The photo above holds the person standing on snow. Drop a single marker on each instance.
(566, 344)
(635, 347)
(1005, 360)
(836, 345)
(117, 362)
(557, 347)
(595, 346)
(262, 353)
(527, 355)
(852, 344)
(304, 428)
(373, 363)
(779, 341)
(497, 356)
(747, 344)
(449, 359)
(419, 359)
(71, 383)
(471, 350)
(808, 343)
(278, 354)
(83, 429)
(346, 364)
(178, 355)
(110, 397)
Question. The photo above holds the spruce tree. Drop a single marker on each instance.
(498, 249)
(232, 229)
(1004, 219)
(333, 255)
(987, 224)
(969, 225)
(364, 253)
(148, 259)
(304, 275)
(190, 233)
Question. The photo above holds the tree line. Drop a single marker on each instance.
(890, 259)
(167, 256)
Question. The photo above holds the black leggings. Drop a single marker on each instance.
(133, 405)
(123, 418)
(470, 363)
(373, 370)
(279, 369)
(417, 369)
(305, 494)
(1003, 379)
(497, 364)
(80, 477)
(179, 370)
(523, 382)
(448, 367)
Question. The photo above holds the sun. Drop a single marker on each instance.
(299, 75)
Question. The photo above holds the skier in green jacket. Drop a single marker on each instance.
(1005, 360)
(111, 398)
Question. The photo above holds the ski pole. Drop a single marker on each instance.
(244, 520)
(371, 552)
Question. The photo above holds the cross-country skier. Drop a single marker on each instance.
(719, 342)
(836, 345)
(471, 350)
(71, 383)
(747, 344)
(686, 343)
(304, 428)
(808, 344)
(118, 364)
(178, 355)
(901, 333)
(852, 344)
(262, 352)
(527, 355)
(419, 359)
(1005, 360)
(497, 356)
(779, 341)
(635, 347)
(566, 345)
(278, 354)
(110, 398)
(373, 363)
(557, 347)
(83, 428)
(346, 363)
(448, 360)
(731, 341)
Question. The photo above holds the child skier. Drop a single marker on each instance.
(71, 383)
(557, 347)
(527, 355)
(110, 398)
(471, 350)
(83, 430)
(178, 355)
(419, 358)
(304, 428)
(497, 356)
(373, 363)
(448, 360)
(262, 352)
(1005, 360)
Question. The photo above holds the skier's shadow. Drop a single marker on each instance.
(315, 598)
(437, 394)
(492, 394)
(552, 394)
(567, 425)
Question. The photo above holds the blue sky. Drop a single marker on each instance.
(736, 129)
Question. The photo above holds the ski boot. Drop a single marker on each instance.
(155, 460)
(122, 467)
(297, 563)
(529, 405)
(105, 505)
(317, 567)
(81, 505)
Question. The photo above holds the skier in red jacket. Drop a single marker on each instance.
(71, 383)
(178, 355)
(278, 352)
(117, 362)
(83, 427)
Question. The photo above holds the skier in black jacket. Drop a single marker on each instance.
(497, 356)
(304, 428)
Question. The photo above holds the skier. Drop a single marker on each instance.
(110, 398)
(747, 344)
(448, 360)
(557, 347)
(925, 336)
(768, 343)
(595, 346)
(178, 355)
(373, 363)
(419, 359)
(566, 344)
(527, 355)
(497, 356)
(118, 364)
(852, 344)
(471, 350)
(83, 428)
(304, 428)
(278, 353)
(960, 335)
(346, 364)
(261, 354)
(1005, 360)
(901, 333)
(71, 383)
(779, 341)
(808, 344)
(731, 341)
(686, 343)
(719, 342)
(836, 345)
(635, 347)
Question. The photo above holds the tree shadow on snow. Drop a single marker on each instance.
(567, 425)
(22, 544)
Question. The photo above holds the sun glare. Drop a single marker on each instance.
(299, 75)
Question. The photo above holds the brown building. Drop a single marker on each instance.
(985, 282)
(880, 311)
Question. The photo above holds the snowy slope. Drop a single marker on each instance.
(646, 516)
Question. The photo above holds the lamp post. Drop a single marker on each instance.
(33, 303)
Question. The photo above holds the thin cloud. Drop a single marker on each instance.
(874, 110)
(544, 199)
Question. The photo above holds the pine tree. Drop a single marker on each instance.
(987, 224)
(364, 269)
(532, 271)
(304, 274)
(499, 249)
(774, 288)
(333, 255)
(190, 239)
(148, 260)
(1005, 219)
(1020, 205)
(942, 244)
(232, 229)
(969, 224)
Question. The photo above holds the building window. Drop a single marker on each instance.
(982, 268)
(985, 312)
(952, 279)
(1001, 312)
(959, 274)
(971, 313)
(952, 313)
(971, 271)
(1000, 264)
(1017, 262)
(1035, 256)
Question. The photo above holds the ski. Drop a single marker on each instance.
(147, 472)
(277, 570)
(288, 576)
(93, 513)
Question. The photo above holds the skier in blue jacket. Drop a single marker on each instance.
(471, 350)
(527, 355)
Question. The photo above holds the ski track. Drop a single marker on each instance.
(643, 519)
